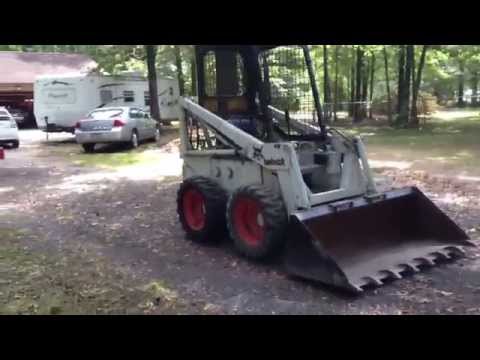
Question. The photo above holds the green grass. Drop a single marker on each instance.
(116, 160)
(438, 132)
(8, 235)
(449, 141)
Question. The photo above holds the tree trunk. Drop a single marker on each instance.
(335, 99)
(412, 84)
(372, 79)
(357, 115)
(193, 70)
(365, 83)
(266, 78)
(461, 84)
(351, 108)
(416, 86)
(151, 51)
(401, 77)
(178, 64)
(326, 85)
(475, 88)
(404, 114)
(409, 69)
(387, 79)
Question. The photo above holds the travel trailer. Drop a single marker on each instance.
(61, 101)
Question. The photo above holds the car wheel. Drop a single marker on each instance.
(133, 144)
(89, 148)
(15, 144)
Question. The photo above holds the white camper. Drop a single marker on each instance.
(61, 101)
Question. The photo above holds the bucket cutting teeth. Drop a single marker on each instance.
(410, 267)
(447, 254)
(441, 255)
(392, 274)
(372, 280)
(456, 251)
(413, 266)
(425, 261)
(417, 262)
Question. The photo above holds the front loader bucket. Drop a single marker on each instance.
(365, 241)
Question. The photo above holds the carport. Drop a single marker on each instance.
(18, 71)
(19, 96)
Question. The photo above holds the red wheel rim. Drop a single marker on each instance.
(194, 209)
(248, 221)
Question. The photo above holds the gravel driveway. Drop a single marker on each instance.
(115, 230)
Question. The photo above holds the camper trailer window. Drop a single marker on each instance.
(106, 96)
(59, 96)
(147, 98)
(129, 96)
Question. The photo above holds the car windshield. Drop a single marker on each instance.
(105, 114)
(4, 116)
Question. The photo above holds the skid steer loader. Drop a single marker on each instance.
(261, 165)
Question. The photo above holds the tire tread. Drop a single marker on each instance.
(275, 218)
(215, 199)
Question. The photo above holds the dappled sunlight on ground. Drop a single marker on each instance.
(401, 165)
(454, 115)
(9, 206)
(463, 155)
(168, 165)
(469, 178)
(6, 189)
(453, 198)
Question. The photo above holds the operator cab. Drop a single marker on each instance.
(269, 93)
(253, 88)
(227, 85)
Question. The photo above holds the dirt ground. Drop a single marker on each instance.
(85, 236)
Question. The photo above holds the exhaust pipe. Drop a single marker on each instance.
(367, 240)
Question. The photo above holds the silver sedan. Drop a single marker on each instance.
(116, 125)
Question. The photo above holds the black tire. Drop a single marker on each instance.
(133, 144)
(214, 200)
(89, 148)
(15, 144)
(271, 222)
